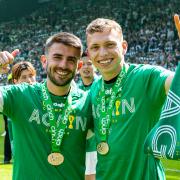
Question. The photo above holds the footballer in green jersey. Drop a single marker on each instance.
(50, 120)
(126, 102)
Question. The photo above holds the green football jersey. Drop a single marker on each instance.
(32, 139)
(91, 142)
(81, 85)
(135, 112)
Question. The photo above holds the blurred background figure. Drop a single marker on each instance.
(23, 72)
(7, 145)
(87, 77)
(86, 72)
(8, 134)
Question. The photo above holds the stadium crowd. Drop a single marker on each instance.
(147, 26)
(149, 30)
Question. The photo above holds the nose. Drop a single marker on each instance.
(102, 51)
(85, 65)
(63, 63)
(30, 80)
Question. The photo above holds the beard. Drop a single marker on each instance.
(57, 80)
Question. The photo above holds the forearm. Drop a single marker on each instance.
(1, 102)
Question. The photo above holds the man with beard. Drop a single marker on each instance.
(50, 119)
(88, 76)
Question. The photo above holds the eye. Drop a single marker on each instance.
(31, 75)
(94, 48)
(57, 57)
(23, 77)
(110, 45)
(89, 63)
(72, 60)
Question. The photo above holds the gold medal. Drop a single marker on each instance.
(55, 159)
(103, 148)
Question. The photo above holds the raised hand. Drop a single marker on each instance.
(177, 23)
(7, 58)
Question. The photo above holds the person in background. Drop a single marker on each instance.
(22, 72)
(7, 142)
(87, 77)
(87, 73)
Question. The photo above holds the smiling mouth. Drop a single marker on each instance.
(105, 62)
(62, 73)
(86, 72)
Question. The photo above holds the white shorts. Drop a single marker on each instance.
(91, 161)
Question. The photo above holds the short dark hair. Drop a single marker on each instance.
(66, 39)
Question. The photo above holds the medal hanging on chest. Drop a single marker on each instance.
(56, 158)
(105, 115)
(103, 148)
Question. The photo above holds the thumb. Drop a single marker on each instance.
(177, 22)
(15, 52)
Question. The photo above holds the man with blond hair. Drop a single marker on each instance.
(126, 104)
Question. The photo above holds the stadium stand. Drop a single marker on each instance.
(148, 28)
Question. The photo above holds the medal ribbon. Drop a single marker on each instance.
(56, 131)
(105, 116)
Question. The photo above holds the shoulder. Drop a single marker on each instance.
(145, 69)
(20, 88)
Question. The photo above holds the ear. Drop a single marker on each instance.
(15, 81)
(80, 64)
(125, 47)
(87, 52)
(43, 61)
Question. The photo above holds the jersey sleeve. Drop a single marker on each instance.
(8, 93)
(154, 82)
(12, 95)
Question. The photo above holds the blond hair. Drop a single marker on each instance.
(102, 24)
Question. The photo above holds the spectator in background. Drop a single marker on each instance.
(23, 72)
(87, 73)
(7, 142)
(8, 146)
(87, 77)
